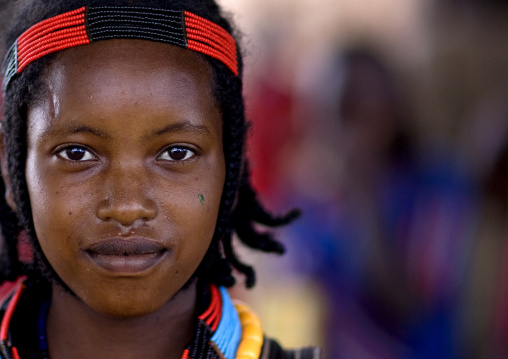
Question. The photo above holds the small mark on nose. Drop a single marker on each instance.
(201, 199)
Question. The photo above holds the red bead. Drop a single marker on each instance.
(199, 47)
(59, 45)
(193, 19)
(213, 314)
(50, 37)
(185, 354)
(213, 43)
(39, 28)
(227, 44)
(15, 354)
(208, 38)
(51, 40)
(47, 30)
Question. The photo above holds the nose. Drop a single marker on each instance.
(126, 193)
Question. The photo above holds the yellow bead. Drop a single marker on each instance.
(252, 334)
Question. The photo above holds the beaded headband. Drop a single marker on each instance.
(88, 24)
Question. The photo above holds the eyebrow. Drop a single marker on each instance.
(175, 127)
(72, 129)
(183, 126)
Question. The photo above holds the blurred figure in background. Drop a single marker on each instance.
(469, 87)
(403, 188)
(484, 314)
(392, 256)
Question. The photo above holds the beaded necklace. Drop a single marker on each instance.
(226, 330)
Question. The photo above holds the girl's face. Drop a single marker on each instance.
(125, 171)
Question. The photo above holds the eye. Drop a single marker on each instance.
(176, 154)
(76, 153)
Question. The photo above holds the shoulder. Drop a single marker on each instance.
(272, 350)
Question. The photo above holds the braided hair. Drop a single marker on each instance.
(240, 211)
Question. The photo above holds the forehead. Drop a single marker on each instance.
(137, 72)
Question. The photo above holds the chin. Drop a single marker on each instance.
(127, 304)
(125, 297)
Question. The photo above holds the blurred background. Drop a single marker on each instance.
(386, 122)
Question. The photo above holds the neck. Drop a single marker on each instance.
(77, 331)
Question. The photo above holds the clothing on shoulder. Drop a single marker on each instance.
(24, 307)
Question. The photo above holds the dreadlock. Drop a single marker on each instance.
(240, 211)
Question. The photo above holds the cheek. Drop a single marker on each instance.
(58, 210)
(54, 204)
(194, 211)
(209, 194)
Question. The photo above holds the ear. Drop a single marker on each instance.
(9, 196)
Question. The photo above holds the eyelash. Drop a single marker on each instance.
(188, 154)
(65, 154)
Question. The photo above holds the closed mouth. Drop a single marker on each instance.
(128, 256)
(125, 247)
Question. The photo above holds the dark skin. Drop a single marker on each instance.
(125, 139)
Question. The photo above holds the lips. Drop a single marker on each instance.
(129, 256)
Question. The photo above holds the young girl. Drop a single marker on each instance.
(122, 157)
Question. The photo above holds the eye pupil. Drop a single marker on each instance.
(177, 154)
(75, 153)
